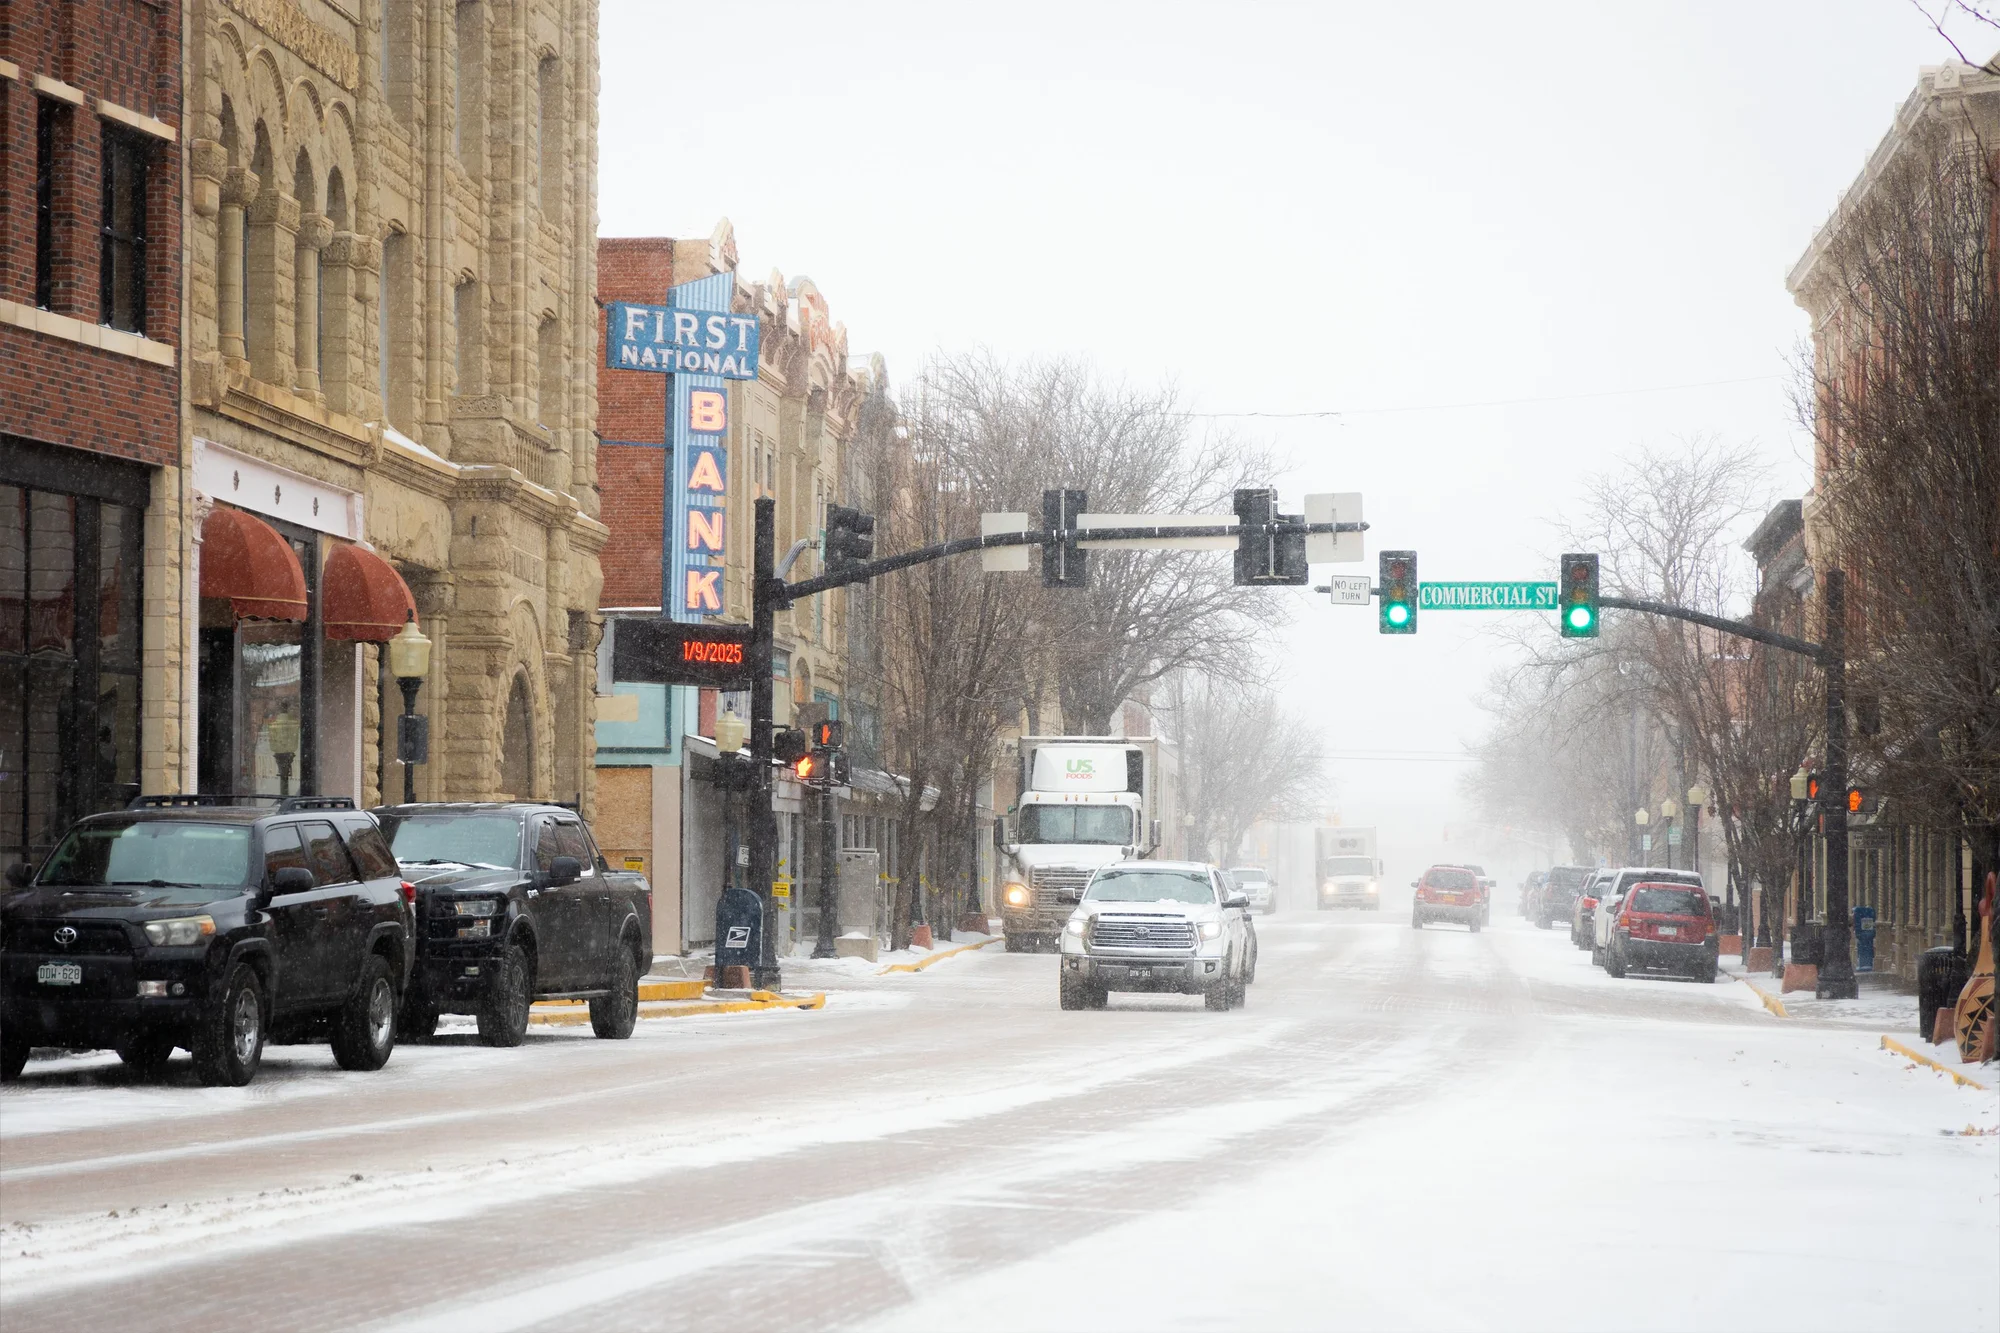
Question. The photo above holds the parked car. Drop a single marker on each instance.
(514, 903)
(212, 923)
(1605, 918)
(1664, 924)
(1581, 921)
(1448, 893)
(1175, 926)
(1560, 891)
(1531, 892)
(1255, 881)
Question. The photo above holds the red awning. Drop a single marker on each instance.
(246, 561)
(362, 596)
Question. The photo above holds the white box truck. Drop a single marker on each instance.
(1346, 870)
(1086, 801)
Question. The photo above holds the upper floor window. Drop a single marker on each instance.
(46, 114)
(548, 133)
(122, 267)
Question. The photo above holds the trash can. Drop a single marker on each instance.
(1864, 939)
(739, 930)
(1941, 975)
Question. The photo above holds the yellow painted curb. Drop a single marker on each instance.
(1771, 1002)
(1891, 1044)
(923, 963)
(573, 1013)
(654, 990)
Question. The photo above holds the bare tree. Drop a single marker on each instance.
(1243, 758)
(1904, 400)
(1057, 424)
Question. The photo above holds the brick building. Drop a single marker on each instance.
(391, 215)
(787, 435)
(90, 416)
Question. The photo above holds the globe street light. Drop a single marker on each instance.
(1642, 817)
(282, 731)
(410, 663)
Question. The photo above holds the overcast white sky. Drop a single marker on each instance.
(1300, 208)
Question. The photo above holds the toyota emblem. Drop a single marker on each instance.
(65, 935)
(1142, 932)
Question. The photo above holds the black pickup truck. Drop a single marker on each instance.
(515, 904)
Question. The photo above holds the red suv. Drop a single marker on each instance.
(1448, 893)
(1668, 926)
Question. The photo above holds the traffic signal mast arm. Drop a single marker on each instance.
(1742, 629)
(861, 573)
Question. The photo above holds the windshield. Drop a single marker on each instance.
(474, 840)
(1670, 902)
(1568, 877)
(1347, 865)
(1249, 874)
(1151, 886)
(152, 852)
(1110, 825)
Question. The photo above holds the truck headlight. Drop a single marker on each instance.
(180, 931)
(1372, 887)
(475, 907)
(1211, 930)
(1017, 895)
(1074, 926)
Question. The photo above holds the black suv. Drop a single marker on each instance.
(514, 904)
(211, 923)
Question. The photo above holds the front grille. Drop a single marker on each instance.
(92, 937)
(1116, 932)
(1058, 890)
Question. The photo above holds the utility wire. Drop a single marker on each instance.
(1490, 402)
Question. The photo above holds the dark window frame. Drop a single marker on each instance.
(47, 112)
(127, 163)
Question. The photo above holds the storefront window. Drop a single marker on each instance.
(69, 657)
(268, 760)
(259, 708)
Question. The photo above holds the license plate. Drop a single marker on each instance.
(1139, 973)
(1670, 930)
(60, 974)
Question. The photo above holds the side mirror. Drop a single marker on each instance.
(291, 879)
(1156, 833)
(1236, 900)
(1000, 831)
(1413, 884)
(564, 870)
(20, 875)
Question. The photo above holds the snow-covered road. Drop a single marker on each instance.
(1401, 1130)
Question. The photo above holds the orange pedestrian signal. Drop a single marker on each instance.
(806, 768)
(1854, 799)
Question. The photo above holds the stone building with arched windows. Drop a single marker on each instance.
(390, 339)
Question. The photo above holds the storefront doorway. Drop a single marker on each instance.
(259, 697)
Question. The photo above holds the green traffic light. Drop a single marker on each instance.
(1579, 617)
(1399, 614)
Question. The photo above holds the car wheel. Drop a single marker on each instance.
(503, 1012)
(364, 1031)
(147, 1053)
(1543, 922)
(1472, 923)
(1596, 955)
(229, 1039)
(1096, 997)
(1069, 994)
(1217, 997)
(1614, 962)
(1416, 921)
(419, 1019)
(13, 1056)
(1707, 973)
(614, 1015)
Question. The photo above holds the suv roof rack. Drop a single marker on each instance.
(283, 804)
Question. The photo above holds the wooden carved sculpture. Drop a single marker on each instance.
(1977, 1028)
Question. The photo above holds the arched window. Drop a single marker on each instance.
(517, 742)
(549, 368)
(336, 199)
(548, 134)
(308, 308)
(260, 307)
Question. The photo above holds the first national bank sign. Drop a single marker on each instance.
(703, 344)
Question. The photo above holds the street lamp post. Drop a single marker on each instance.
(409, 663)
(1640, 819)
(1698, 797)
(730, 731)
(1801, 795)
(283, 733)
(1668, 812)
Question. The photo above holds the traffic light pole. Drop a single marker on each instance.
(1836, 968)
(763, 822)
(829, 853)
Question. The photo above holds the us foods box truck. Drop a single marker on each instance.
(1347, 873)
(1086, 801)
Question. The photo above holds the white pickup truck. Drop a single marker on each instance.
(1175, 926)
